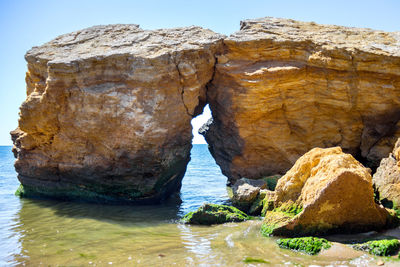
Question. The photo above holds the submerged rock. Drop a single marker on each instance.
(108, 111)
(283, 87)
(326, 191)
(309, 245)
(385, 247)
(209, 214)
(387, 179)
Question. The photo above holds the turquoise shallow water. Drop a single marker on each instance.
(53, 233)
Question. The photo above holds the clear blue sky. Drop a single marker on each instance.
(24, 24)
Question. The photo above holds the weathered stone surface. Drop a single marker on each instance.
(387, 178)
(108, 111)
(283, 87)
(245, 192)
(326, 191)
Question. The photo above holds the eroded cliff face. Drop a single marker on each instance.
(283, 87)
(108, 111)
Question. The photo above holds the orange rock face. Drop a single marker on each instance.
(108, 111)
(332, 192)
(283, 87)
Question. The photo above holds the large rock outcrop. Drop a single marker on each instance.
(108, 108)
(283, 87)
(387, 179)
(326, 191)
(108, 111)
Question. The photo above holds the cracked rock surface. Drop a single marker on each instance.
(283, 87)
(108, 111)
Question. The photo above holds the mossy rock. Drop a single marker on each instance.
(272, 181)
(309, 245)
(279, 217)
(209, 214)
(384, 247)
(274, 220)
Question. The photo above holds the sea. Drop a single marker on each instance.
(38, 232)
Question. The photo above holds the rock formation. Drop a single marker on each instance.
(387, 179)
(326, 191)
(108, 111)
(283, 87)
(108, 108)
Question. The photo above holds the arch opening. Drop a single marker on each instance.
(203, 180)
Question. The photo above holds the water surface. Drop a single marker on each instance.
(55, 233)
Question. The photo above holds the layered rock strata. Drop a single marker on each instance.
(283, 87)
(108, 111)
(387, 179)
(326, 191)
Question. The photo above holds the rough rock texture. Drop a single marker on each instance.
(245, 192)
(283, 87)
(108, 111)
(325, 191)
(387, 179)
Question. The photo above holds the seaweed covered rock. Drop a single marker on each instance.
(326, 191)
(209, 214)
(108, 111)
(387, 179)
(309, 245)
(385, 247)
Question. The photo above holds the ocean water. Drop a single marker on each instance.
(55, 233)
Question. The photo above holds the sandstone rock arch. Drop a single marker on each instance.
(108, 108)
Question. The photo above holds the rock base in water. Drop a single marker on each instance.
(209, 214)
(108, 111)
(385, 247)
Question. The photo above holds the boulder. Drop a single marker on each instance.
(108, 112)
(209, 214)
(387, 179)
(283, 87)
(326, 191)
(245, 192)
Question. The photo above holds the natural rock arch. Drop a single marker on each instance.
(107, 116)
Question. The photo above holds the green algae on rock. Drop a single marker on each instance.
(209, 214)
(309, 245)
(278, 217)
(384, 247)
(250, 260)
